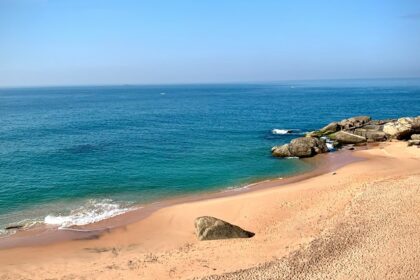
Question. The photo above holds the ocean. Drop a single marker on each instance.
(75, 155)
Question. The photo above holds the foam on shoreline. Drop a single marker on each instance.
(93, 211)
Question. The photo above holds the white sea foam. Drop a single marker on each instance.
(330, 146)
(281, 131)
(329, 143)
(236, 188)
(93, 211)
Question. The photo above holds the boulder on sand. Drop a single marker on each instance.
(300, 147)
(402, 128)
(415, 137)
(344, 137)
(210, 228)
(413, 143)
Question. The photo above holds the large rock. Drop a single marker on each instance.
(402, 128)
(210, 228)
(307, 147)
(344, 137)
(415, 137)
(372, 134)
(300, 147)
(281, 151)
(416, 125)
(354, 122)
(330, 128)
(413, 142)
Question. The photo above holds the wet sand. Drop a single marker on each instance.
(361, 223)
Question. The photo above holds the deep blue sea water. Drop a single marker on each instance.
(72, 155)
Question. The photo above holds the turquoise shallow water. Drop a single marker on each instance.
(73, 155)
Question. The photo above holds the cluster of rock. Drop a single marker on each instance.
(356, 130)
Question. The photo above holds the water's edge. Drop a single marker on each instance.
(47, 234)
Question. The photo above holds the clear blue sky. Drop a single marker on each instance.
(73, 42)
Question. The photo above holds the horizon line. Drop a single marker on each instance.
(203, 83)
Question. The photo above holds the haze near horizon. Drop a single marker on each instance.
(139, 42)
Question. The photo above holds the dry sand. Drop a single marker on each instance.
(361, 223)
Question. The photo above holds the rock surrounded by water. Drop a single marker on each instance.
(356, 130)
(301, 147)
(210, 228)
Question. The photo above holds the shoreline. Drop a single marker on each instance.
(48, 234)
(331, 226)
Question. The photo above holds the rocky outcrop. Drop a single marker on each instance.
(210, 228)
(346, 124)
(356, 130)
(301, 147)
(402, 128)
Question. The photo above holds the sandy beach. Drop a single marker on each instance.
(358, 221)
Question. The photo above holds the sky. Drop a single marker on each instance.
(100, 42)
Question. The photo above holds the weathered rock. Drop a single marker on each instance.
(402, 128)
(330, 128)
(315, 133)
(301, 147)
(210, 228)
(354, 122)
(281, 151)
(348, 138)
(380, 122)
(416, 125)
(372, 135)
(373, 127)
(307, 147)
(414, 142)
(415, 137)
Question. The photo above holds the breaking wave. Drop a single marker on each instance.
(92, 212)
(281, 131)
